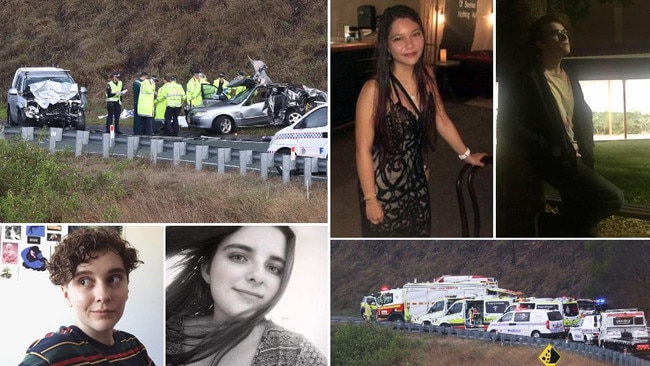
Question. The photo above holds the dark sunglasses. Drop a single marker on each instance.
(560, 34)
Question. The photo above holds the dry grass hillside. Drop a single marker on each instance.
(617, 270)
(94, 38)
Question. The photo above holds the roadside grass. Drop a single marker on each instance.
(379, 346)
(44, 187)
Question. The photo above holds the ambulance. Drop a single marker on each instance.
(474, 312)
(438, 309)
(568, 308)
(402, 304)
(530, 322)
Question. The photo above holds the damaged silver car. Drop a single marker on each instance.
(46, 96)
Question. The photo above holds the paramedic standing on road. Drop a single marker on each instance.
(194, 97)
(174, 95)
(114, 92)
(146, 104)
(137, 121)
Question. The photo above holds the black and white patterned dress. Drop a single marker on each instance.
(400, 182)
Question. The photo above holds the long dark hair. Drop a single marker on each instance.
(425, 82)
(188, 295)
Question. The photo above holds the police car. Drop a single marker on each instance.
(307, 137)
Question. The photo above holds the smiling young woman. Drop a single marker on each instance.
(399, 112)
(228, 279)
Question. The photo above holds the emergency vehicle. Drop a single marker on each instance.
(307, 137)
(368, 305)
(624, 330)
(586, 307)
(400, 304)
(529, 322)
(438, 309)
(474, 312)
(568, 308)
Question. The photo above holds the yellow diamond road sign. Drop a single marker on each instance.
(549, 356)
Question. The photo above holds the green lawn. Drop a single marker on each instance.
(627, 165)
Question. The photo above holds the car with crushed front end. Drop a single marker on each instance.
(46, 96)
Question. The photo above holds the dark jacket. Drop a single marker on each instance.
(538, 127)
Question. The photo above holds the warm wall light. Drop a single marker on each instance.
(443, 56)
(491, 17)
(441, 16)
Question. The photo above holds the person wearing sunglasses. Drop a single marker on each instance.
(550, 126)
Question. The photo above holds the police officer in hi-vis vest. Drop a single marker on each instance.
(114, 92)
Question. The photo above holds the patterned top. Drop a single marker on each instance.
(280, 346)
(70, 346)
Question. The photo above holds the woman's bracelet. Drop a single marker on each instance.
(464, 155)
(370, 197)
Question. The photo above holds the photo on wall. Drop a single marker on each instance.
(13, 232)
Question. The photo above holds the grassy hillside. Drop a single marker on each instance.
(94, 38)
(618, 270)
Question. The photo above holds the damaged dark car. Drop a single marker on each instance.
(46, 96)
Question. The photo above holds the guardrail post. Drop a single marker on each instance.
(27, 133)
(286, 169)
(244, 157)
(308, 165)
(86, 137)
(314, 165)
(59, 133)
(2, 131)
(228, 154)
(178, 146)
(221, 160)
(201, 153)
(106, 144)
(53, 142)
(131, 145)
(265, 160)
(154, 150)
(79, 142)
(183, 148)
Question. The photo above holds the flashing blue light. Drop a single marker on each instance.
(601, 300)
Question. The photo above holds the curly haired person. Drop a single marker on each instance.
(92, 269)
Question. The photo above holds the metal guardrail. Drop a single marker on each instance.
(591, 351)
(177, 151)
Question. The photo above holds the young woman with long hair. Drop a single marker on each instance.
(399, 112)
(229, 278)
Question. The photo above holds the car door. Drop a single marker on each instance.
(253, 110)
(12, 99)
(504, 324)
(521, 322)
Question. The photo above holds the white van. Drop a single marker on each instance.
(533, 323)
(307, 137)
(568, 308)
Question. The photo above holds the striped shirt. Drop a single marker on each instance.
(69, 346)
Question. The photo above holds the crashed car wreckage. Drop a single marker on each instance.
(46, 98)
(280, 99)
